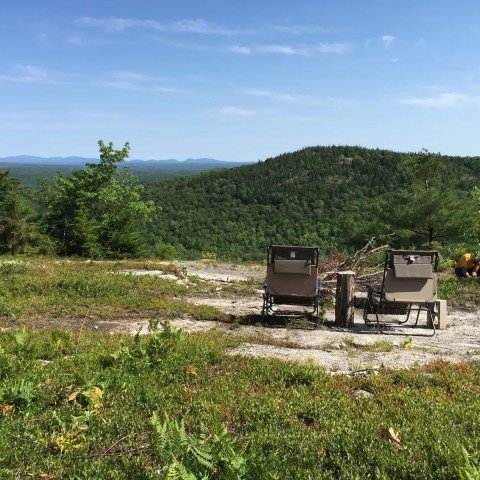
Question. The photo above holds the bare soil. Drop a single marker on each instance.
(337, 350)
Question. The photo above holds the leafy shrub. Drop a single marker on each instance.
(19, 393)
(12, 268)
(165, 251)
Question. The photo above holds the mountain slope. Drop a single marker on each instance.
(333, 197)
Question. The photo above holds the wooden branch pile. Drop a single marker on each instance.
(357, 262)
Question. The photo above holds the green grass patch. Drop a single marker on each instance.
(459, 291)
(78, 289)
(169, 404)
(352, 346)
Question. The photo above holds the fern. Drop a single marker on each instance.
(188, 457)
(471, 469)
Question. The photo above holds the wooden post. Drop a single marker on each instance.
(344, 299)
(440, 308)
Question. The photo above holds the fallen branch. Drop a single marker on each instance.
(351, 262)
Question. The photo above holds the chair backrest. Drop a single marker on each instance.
(410, 276)
(292, 270)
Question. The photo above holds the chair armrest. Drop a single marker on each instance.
(373, 290)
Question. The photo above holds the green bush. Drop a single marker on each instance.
(165, 251)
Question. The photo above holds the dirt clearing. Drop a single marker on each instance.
(337, 350)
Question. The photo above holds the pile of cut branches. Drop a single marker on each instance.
(363, 262)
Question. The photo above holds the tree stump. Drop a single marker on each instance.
(344, 299)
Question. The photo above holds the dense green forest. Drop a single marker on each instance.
(333, 197)
(32, 175)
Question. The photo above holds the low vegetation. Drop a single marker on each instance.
(42, 287)
(459, 291)
(169, 405)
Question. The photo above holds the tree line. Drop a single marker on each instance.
(94, 212)
(332, 197)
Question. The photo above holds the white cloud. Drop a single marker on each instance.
(26, 73)
(200, 26)
(131, 85)
(31, 71)
(115, 24)
(442, 100)
(281, 97)
(123, 85)
(240, 49)
(242, 112)
(128, 80)
(387, 40)
(296, 99)
(300, 29)
(134, 76)
(282, 49)
(304, 50)
(337, 47)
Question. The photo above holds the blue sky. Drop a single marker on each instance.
(238, 81)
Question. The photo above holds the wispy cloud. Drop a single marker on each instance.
(442, 100)
(282, 49)
(387, 40)
(292, 50)
(276, 96)
(117, 24)
(337, 47)
(300, 29)
(199, 26)
(296, 99)
(128, 80)
(134, 76)
(242, 112)
(26, 73)
(242, 50)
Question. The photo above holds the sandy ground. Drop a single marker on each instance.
(337, 350)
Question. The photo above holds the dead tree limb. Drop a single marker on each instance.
(351, 262)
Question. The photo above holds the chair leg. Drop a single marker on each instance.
(367, 309)
(431, 319)
(418, 314)
(265, 306)
(316, 311)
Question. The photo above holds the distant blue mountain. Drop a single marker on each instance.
(81, 161)
(30, 169)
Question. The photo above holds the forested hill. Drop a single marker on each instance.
(333, 197)
(32, 170)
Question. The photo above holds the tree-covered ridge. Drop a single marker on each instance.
(333, 197)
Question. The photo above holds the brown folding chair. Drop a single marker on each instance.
(409, 284)
(292, 279)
